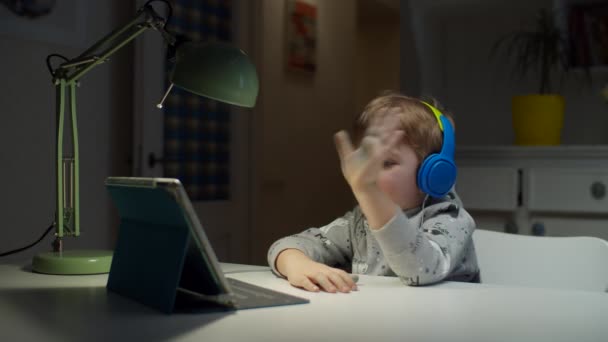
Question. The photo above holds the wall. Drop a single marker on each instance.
(454, 39)
(27, 133)
(296, 178)
(377, 50)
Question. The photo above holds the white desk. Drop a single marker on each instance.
(35, 307)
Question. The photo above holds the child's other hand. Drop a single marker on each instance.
(307, 274)
(361, 166)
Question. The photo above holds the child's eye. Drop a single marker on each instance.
(389, 163)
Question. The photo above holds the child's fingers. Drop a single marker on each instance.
(349, 279)
(395, 138)
(323, 281)
(369, 144)
(340, 282)
(343, 144)
(308, 285)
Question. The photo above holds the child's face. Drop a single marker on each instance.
(398, 175)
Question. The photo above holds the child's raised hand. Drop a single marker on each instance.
(361, 166)
(310, 275)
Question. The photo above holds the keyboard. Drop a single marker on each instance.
(249, 296)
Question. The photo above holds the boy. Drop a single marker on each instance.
(422, 237)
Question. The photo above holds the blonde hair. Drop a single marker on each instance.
(418, 122)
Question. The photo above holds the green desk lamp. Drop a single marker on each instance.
(214, 70)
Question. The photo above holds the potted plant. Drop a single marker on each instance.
(540, 51)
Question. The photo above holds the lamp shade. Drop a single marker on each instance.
(218, 71)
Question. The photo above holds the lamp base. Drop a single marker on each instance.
(73, 262)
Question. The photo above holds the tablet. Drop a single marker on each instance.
(163, 257)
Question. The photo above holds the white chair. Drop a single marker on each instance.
(578, 263)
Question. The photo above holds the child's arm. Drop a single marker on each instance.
(310, 256)
(302, 272)
(442, 247)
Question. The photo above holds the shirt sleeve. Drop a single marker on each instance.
(427, 253)
(330, 244)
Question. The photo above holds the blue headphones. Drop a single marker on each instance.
(437, 173)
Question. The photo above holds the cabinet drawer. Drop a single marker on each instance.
(567, 190)
(488, 188)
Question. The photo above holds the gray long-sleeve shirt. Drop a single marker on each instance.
(421, 246)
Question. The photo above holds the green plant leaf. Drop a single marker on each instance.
(540, 50)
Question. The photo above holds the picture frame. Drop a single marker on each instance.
(301, 35)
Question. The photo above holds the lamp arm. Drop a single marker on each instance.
(65, 77)
(146, 17)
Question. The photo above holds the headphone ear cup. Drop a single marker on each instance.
(423, 173)
(436, 175)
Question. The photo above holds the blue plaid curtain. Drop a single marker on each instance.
(197, 129)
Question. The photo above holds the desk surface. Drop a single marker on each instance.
(74, 308)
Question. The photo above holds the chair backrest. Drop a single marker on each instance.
(578, 263)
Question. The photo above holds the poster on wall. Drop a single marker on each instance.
(301, 35)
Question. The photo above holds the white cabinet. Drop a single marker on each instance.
(555, 191)
(567, 190)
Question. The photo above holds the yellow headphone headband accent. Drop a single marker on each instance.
(437, 114)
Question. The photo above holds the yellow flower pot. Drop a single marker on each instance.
(537, 119)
